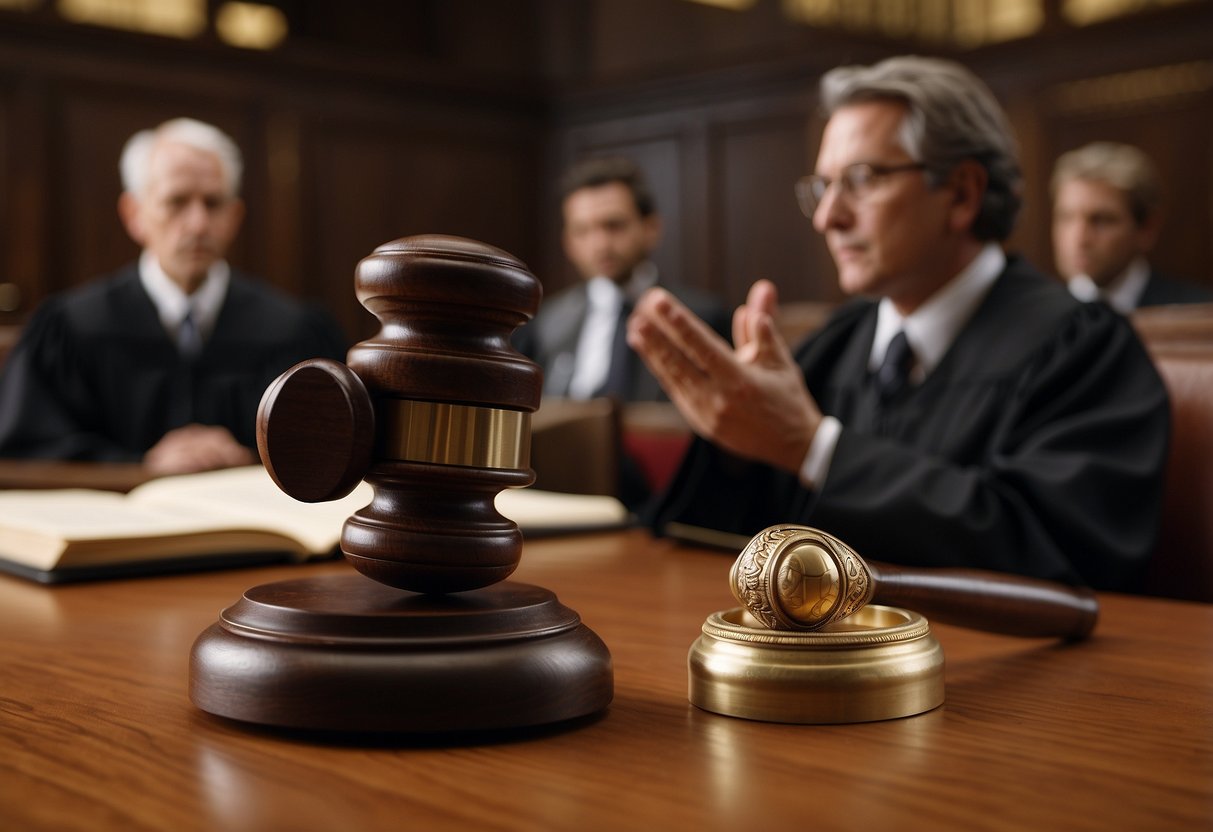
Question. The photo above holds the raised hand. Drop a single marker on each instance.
(751, 400)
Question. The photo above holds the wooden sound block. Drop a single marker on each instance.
(345, 653)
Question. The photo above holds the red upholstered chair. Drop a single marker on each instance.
(656, 437)
(1180, 340)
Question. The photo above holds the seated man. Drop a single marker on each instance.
(967, 411)
(166, 360)
(611, 227)
(1105, 222)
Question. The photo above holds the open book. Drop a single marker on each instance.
(219, 518)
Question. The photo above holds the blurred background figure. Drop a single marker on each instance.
(611, 227)
(165, 360)
(610, 230)
(1105, 222)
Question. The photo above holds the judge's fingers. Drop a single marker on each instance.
(217, 448)
(770, 348)
(197, 448)
(763, 297)
(741, 326)
(686, 384)
(662, 354)
(694, 339)
(761, 301)
(174, 458)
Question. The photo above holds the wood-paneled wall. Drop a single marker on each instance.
(342, 153)
(724, 146)
(464, 126)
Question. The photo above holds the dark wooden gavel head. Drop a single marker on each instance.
(433, 411)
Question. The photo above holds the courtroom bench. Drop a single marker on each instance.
(1180, 341)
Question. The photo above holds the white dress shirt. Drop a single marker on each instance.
(604, 300)
(930, 330)
(172, 304)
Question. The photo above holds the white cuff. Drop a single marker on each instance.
(816, 463)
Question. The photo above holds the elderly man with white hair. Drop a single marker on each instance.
(164, 361)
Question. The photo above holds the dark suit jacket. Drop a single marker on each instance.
(550, 340)
(95, 375)
(1162, 290)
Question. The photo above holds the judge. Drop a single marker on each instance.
(166, 360)
(963, 410)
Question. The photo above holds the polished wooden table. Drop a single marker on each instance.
(97, 731)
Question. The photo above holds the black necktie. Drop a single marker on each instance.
(894, 371)
(619, 373)
(189, 339)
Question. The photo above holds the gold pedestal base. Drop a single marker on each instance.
(880, 663)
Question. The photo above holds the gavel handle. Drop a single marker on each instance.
(989, 601)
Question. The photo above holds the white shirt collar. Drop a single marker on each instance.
(933, 326)
(1122, 294)
(172, 303)
(606, 296)
(595, 344)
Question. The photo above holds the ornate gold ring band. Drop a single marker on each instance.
(793, 577)
(455, 434)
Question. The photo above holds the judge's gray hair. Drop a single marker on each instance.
(1122, 166)
(951, 116)
(135, 164)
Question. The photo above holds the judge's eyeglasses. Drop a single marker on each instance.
(856, 183)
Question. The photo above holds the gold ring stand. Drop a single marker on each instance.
(811, 643)
(882, 663)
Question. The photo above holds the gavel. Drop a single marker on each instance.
(792, 577)
(433, 411)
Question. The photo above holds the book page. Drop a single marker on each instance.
(39, 527)
(85, 514)
(538, 511)
(247, 497)
(250, 495)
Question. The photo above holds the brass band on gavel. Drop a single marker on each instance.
(455, 434)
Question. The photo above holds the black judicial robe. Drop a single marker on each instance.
(95, 376)
(1037, 446)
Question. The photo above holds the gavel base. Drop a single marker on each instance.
(344, 653)
(879, 663)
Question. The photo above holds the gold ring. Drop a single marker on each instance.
(793, 577)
